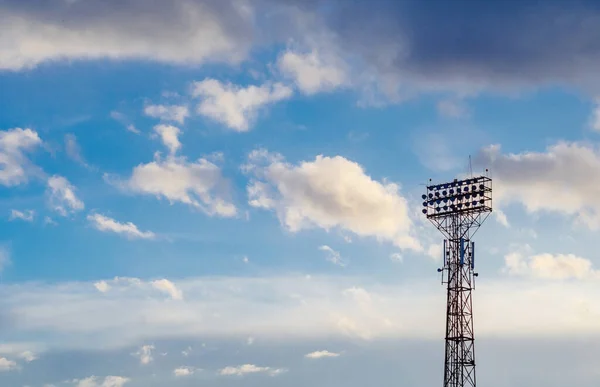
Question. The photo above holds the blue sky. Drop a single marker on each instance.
(227, 192)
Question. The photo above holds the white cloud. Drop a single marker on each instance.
(235, 106)
(250, 341)
(62, 196)
(109, 381)
(129, 230)
(102, 286)
(314, 71)
(170, 137)
(76, 315)
(321, 354)
(549, 266)
(249, 369)
(204, 32)
(562, 180)
(329, 192)
(183, 371)
(15, 167)
(145, 354)
(169, 288)
(26, 215)
(199, 184)
(7, 365)
(128, 283)
(28, 356)
(333, 256)
(74, 150)
(174, 113)
(245, 259)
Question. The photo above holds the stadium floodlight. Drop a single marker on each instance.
(457, 209)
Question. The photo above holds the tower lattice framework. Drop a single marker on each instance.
(458, 209)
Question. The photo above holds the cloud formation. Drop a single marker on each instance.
(174, 113)
(183, 371)
(15, 167)
(169, 135)
(57, 30)
(145, 354)
(249, 369)
(26, 215)
(62, 197)
(199, 184)
(129, 230)
(109, 381)
(311, 72)
(235, 106)
(550, 266)
(321, 354)
(329, 192)
(561, 179)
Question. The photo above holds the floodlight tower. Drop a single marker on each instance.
(457, 209)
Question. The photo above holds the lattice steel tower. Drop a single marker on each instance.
(458, 209)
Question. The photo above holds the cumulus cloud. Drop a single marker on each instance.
(329, 192)
(169, 288)
(249, 369)
(170, 137)
(7, 365)
(145, 354)
(131, 283)
(561, 179)
(15, 167)
(321, 354)
(129, 230)
(199, 184)
(235, 106)
(550, 266)
(176, 113)
(205, 31)
(109, 381)
(26, 215)
(28, 356)
(62, 197)
(313, 72)
(183, 371)
(333, 256)
(102, 286)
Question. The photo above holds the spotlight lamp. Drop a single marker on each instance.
(473, 195)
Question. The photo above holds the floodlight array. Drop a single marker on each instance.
(469, 195)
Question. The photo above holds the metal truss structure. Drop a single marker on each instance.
(457, 209)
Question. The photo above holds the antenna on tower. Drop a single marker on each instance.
(470, 167)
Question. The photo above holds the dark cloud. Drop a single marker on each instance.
(406, 45)
(498, 42)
